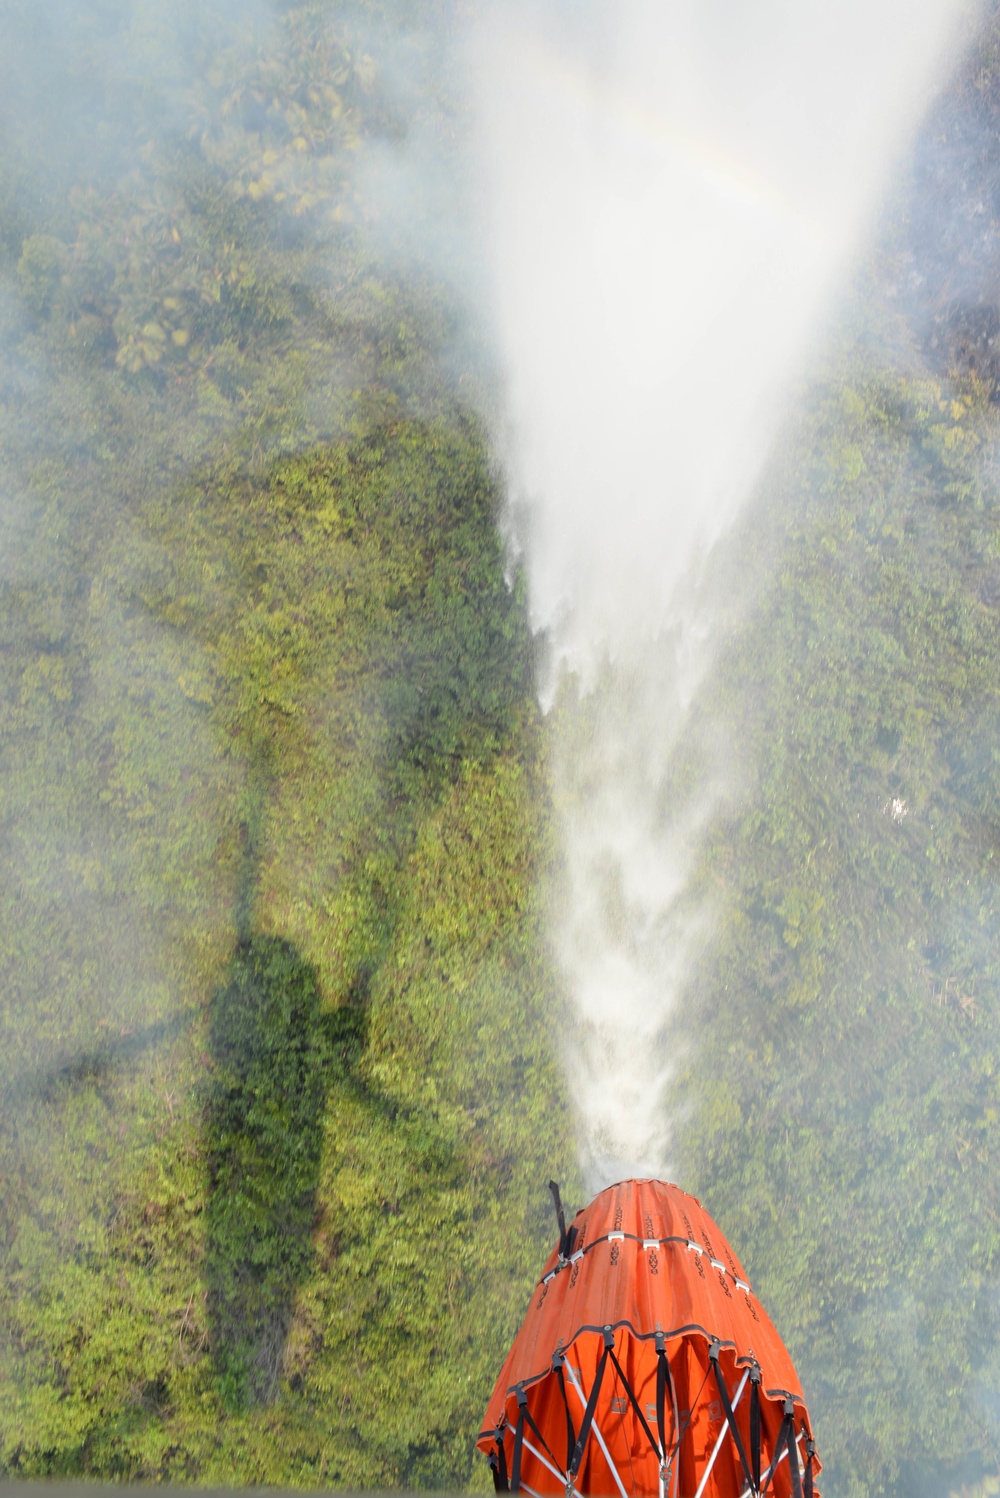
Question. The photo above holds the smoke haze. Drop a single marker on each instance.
(232, 237)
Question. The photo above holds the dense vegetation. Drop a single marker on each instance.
(278, 1089)
(844, 1091)
(846, 1080)
(837, 1054)
(279, 1073)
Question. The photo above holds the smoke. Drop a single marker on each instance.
(156, 207)
(101, 744)
(671, 196)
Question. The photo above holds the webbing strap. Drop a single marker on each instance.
(727, 1405)
(665, 1381)
(500, 1482)
(779, 1447)
(567, 1237)
(662, 1376)
(588, 1414)
(755, 1428)
(793, 1458)
(807, 1486)
(515, 1466)
(657, 1450)
(786, 1441)
(557, 1363)
(523, 1413)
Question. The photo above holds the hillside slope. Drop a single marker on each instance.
(279, 1086)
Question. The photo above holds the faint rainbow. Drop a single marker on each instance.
(717, 167)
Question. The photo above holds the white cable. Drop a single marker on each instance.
(722, 1434)
(544, 1461)
(597, 1433)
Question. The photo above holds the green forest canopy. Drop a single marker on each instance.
(278, 1083)
(281, 1080)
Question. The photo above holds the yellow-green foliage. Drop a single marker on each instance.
(324, 738)
(296, 707)
(278, 1084)
(988, 1488)
(843, 1090)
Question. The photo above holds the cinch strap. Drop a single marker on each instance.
(727, 1405)
(755, 1427)
(566, 1239)
(557, 1363)
(515, 1467)
(665, 1381)
(524, 1415)
(499, 1463)
(662, 1374)
(793, 1449)
(786, 1441)
(658, 1450)
(588, 1414)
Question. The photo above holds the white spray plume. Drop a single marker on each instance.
(672, 189)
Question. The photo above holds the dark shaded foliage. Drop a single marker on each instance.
(263, 1137)
(844, 1096)
(950, 276)
(275, 806)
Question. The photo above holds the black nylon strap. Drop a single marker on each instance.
(524, 1412)
(664, 1379)
(755, 1428)
(560, 1217)
(779, 1447)
(727, 1405)
(786, 1438)
(515, 1466)
(662, 1374)
(500, 1470)
(588, 1414)
(807, 1485)
(635, 1403)
(793, 1450)
(557, 1363)
(567, 1236)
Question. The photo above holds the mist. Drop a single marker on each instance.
(278, 731)
(674, 195)
(261, 675)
